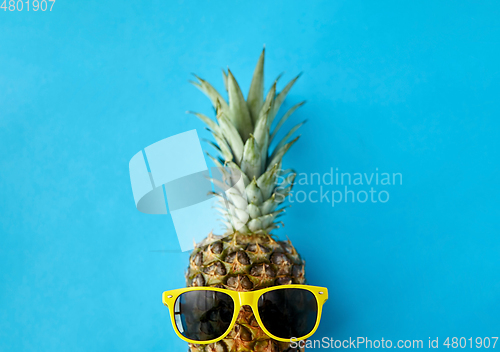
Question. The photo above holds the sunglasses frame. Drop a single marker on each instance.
(240, 299)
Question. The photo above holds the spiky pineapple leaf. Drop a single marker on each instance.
(284, 118)
(253, 211)
(212, 144)
(278, 153)
(207, 120)
(267, 108)
(279, 77)
(289, 134)
(211, 92)
(256, 93)
(238, 110)
(225, 150)
(251, 163)
(231, 134)
(282, 95)
(269, 205)
(224, 78)
(217, 163)
(253, 192)
(267, 182)
(237, 173)
(236, 199)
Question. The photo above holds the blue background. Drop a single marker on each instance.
(403, 87)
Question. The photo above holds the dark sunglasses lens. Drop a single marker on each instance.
(203, 315)
(289, 312)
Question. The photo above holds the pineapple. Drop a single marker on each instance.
(247, 257)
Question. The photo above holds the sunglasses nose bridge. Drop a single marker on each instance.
(246, 298)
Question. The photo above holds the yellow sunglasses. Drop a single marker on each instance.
(203, 315)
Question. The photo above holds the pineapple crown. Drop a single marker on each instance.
(242, 133)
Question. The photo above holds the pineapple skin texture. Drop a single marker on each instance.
(245, 262)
